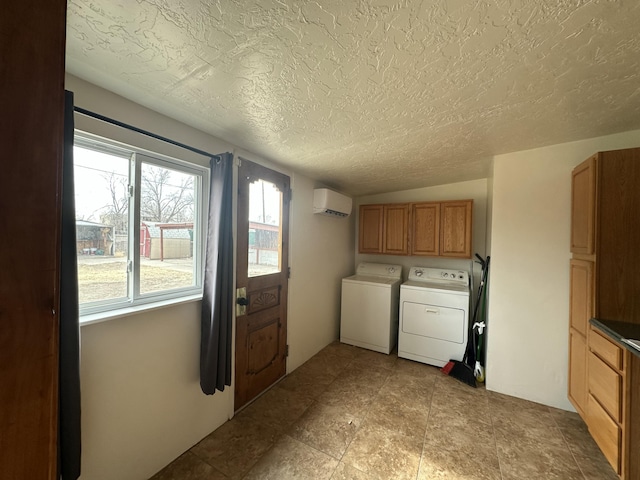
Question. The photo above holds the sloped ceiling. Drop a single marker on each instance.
(371, 96)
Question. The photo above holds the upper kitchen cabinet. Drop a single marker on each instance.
(425, 228)
(455, 227)
(371, 222)
(583, 189)
(395, 229)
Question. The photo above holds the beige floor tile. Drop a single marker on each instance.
(189, 467)
(459, 461)
(327, 363)
(350, 413)
(342, 349)
(309, 384)
(236, 446)
(407, 415)
(377, 359)
(596, 468)
(368, 376)
(329, 429)
(278, 408)
(519, 460)
(347, 472)
(356, 398)
(387, 454)
(290, 459)
(416, 369)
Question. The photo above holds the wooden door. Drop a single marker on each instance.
(455, 228)
(370, 229)
(395, 229)
(581, 294)
(583, 188)
(31, 130)
(425, 229)
(578, 371)
(262, 270)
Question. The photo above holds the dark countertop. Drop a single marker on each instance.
(619, 331)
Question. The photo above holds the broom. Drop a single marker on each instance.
(465, 370)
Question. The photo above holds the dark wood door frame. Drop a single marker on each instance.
(261, 333)
(31, 132)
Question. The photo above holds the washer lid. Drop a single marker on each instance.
(371, 279)
(379, 270)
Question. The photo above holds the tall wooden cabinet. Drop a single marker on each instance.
(605, 283)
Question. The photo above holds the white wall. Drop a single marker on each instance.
(141, 400)
(529, 291)
(474, 189)
(321, 256)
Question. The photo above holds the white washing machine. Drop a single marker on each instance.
(369, 307)
(434, 315)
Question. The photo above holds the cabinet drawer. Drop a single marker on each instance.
(606, 349)
(605, 432)
(605, 384)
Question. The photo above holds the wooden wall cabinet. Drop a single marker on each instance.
(370, 234)
(425, 228)
(455, 228)
(395, 229)
(422, 229)
(583, 192)
(605, 235)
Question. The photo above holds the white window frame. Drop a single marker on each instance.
(135, 301)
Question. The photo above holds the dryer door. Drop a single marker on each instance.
(434, 321)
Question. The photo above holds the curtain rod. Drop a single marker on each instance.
(118, 123)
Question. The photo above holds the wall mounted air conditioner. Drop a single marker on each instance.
(328, 202)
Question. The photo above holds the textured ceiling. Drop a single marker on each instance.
(373, 95)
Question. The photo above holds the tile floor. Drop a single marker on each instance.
(350, 413)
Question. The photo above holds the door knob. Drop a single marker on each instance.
(241, 301)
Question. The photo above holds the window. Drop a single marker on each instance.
(139, 221)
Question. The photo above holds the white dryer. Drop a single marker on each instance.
(369, 307)
(434, 315)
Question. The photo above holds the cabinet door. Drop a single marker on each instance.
(370, 232)
(425, 229)
(455, 228)
(581, 294)
(578, 371)
(396, 228)
(583, 190)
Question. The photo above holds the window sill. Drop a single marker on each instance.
(92, 318)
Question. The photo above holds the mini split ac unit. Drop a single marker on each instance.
(328, 202)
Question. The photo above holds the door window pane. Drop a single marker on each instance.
(167, 209)
(102, 220)
(265, 229)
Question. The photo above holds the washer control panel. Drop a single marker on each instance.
(435, 275)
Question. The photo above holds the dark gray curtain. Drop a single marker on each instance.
(69, 367)
(218, 296)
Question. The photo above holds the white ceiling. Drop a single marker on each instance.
(370, 96)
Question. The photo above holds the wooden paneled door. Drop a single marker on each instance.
(262, 273)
